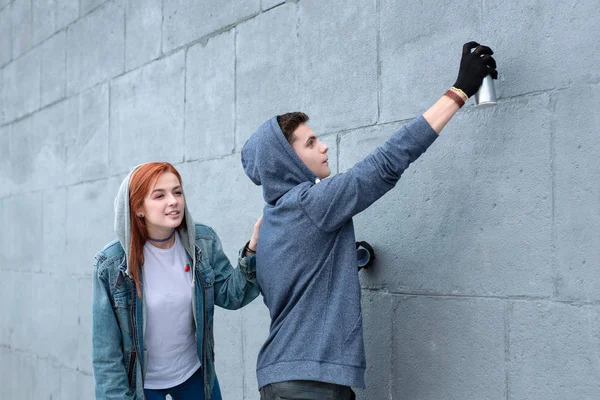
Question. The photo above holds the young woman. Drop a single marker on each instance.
(154, 291)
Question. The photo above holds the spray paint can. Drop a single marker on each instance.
(486, 95)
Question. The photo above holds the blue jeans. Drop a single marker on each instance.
(192, 389)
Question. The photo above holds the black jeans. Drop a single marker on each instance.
(306, 390)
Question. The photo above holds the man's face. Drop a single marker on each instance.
(311, 151)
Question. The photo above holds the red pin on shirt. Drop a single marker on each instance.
(187, 268)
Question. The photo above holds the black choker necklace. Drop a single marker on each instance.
(162, 240)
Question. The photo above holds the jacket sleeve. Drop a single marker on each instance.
(334, 201)
(110, 375)
(234, 287)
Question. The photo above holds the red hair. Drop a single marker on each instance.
(141, 183)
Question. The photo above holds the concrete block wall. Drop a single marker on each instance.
(486, 284)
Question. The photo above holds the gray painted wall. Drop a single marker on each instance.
(486, 284)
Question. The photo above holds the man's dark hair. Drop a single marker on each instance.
(289, 122)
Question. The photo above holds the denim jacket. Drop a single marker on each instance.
(118, 353)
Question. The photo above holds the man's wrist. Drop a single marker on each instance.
(456, 97)
(461, 92)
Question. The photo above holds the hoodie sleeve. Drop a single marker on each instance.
(332, 202)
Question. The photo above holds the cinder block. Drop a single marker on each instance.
(7, 290)
(96, 47)
(83, 243)
(68, 347)
(457, 219)
(554, 351)
(88, 5)
(378, 333)
(210, 98)
(43, 20)
(146, 114)
(267, 69)
(577, 192)
(67, 11)
(181, 18)
(338, 48)
(21, 325)
(266, 4)
(54, 66)
(39, 155)
(22, 39)
(83, 318)
(76, 384)
(19, 377)
(5, 35)
(6, 372)
(255, 328)
(144, 32)
(87, 145)
(420, 52)
(46, 379)
(228, 352)
(22, 219)
(54, 231)
(21, 88)
(2, 96)
(550, 33)
(7, 182)
(22, 147)
(448, 348)
(45, 315)
(220, 195)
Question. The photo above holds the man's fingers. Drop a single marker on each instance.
(481, 50)
(493, 73)
(489, 61)
(467, 47)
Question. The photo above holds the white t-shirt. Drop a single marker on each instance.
(170, 336)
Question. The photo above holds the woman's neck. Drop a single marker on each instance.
(162, 239)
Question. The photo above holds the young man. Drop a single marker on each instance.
(306, 257)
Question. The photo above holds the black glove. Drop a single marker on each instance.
(474, 66)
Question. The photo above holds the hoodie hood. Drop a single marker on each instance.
(123, 227)
(270, 161)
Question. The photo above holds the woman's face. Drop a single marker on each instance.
(163, 206)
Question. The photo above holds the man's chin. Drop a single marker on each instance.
(326, 174)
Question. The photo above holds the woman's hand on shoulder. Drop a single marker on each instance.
(255, 235)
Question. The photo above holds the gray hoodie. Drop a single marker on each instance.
(306, 256)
